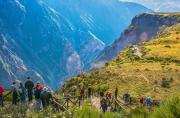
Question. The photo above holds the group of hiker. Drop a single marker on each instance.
(20, 92)
(106, 100)
(43, 95)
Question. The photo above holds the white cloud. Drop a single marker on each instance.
(159, 5)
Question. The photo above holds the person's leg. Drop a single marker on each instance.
(15, 101)
(39, 104)
(31, 95)
(43, 103)
(28, 95)
(1, 100)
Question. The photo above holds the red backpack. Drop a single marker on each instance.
(1, 90)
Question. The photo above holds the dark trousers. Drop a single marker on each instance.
(1, 100)
(14, 98)
(30, 95)
(44, 102)
(104, 108)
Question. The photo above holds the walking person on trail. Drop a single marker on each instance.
(116, 93)
(148, 101)
(141, 101)
(29, 84)
(37, 94)
(104, 105)
(90, 92)
(1, 96)
(49, 96)
(46, 96)
(126, 98)
(14, 90)
(43, 97)
(22, 91)
(82, 93)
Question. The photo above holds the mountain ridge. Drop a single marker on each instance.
(150, 68)
(49, 44)
(138, 31)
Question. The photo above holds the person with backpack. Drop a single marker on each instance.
(49, 96)
(44, 97)
(148, 101)
(37, 95)
(14, 90)
(104, 105)
(126, 98)
(22, 91)
(1, 96)
(29, 84)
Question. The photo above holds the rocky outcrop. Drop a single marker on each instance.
(142, 28)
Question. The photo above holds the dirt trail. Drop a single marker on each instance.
(95, 102)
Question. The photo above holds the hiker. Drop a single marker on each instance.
(63, 90)
(29, 86)
(148, 101)
(49, 97)
(141, 101)
(46, 96)
(156, 103)
(126, 97)
(14, 90)
(116, 93)
(37, 95)
(43, 97)
(101, 93)
(104, 105)
(108, 98)
(90, 92)
(82, 93)
(1, 96)
(22, 93)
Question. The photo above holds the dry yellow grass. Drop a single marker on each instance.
(140, 69)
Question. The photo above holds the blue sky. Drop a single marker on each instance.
(159, 5)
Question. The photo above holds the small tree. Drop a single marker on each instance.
(165, 83)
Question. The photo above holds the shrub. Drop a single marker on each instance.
(147, 69)
(104, 87)
(170, 109)
(139, 112)
(165, 83)
(87, 112)
(167, 46)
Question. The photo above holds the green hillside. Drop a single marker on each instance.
(150, 69)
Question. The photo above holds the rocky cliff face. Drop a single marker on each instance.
(142, 28)
(47, 43)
